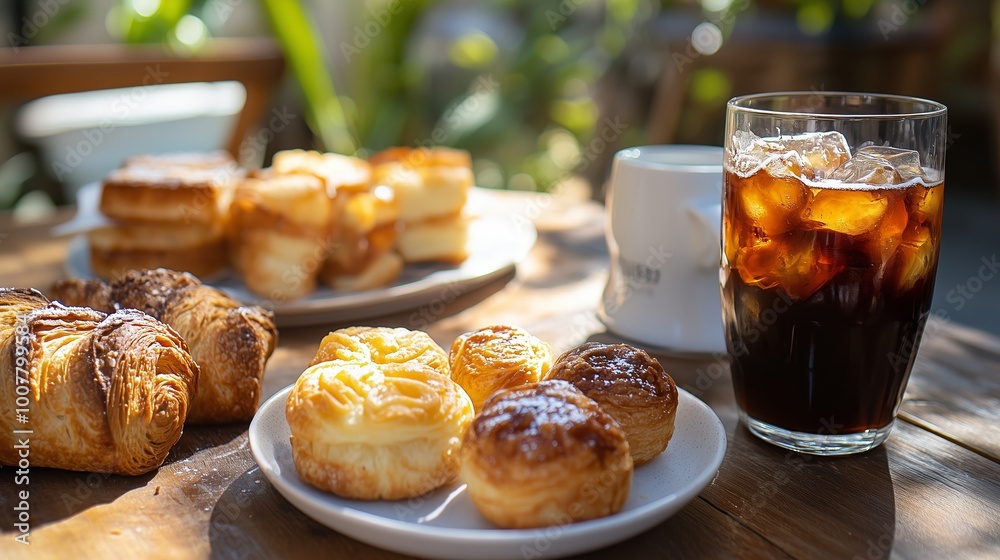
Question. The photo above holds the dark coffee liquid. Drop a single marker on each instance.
(823, 324)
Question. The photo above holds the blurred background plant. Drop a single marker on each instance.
(515, 82)
(542, 92)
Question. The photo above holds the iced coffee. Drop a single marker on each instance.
(829, 254)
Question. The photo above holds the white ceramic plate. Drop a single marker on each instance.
(497, 242)
(445, 524)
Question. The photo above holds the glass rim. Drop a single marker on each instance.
(936, 109)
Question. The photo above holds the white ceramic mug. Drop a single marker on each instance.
(664, 217)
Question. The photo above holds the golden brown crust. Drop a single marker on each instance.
(425, 192)
(422, 157)
(202, 261)
(497, 357)
(544, 454)
(280, 234)
(108, 393)
(168, 194)
(290, 204)
(79, 292)
(372, 431)
(382, 345)
(439, 240)
(16, 302)
(230, 342)
(378, 272)
(629, 385)
(196, 248)
(338, 172)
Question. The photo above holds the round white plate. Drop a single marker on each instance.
(445, 524)
(498, 240)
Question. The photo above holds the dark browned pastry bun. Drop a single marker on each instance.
(81, 292)
(629, 385)
(545, 454)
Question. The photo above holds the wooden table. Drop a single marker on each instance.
(931, 491)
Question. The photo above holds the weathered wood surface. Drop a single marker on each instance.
(932, 491)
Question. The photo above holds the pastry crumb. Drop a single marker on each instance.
(116, 531)
(157, 491)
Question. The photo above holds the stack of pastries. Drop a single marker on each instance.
(385, 414)
(311, 217)
(432, 186)
(168, 211)
(98, 392)
(349, 241)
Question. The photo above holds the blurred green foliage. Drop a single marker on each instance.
(516, 84)
(524, 103)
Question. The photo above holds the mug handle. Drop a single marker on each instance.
(705, 223)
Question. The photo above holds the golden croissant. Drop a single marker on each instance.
(230, 342)
(86, 391)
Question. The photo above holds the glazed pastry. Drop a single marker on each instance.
(281, 231)
(498, 357)
(370, 431)
(629, 385)
(106, 393)
(230, 342)
(544, 454)
(382, 345)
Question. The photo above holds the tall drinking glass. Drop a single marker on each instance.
(831, 225)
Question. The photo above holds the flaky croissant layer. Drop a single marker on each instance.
(230, 342)
(89, 391)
